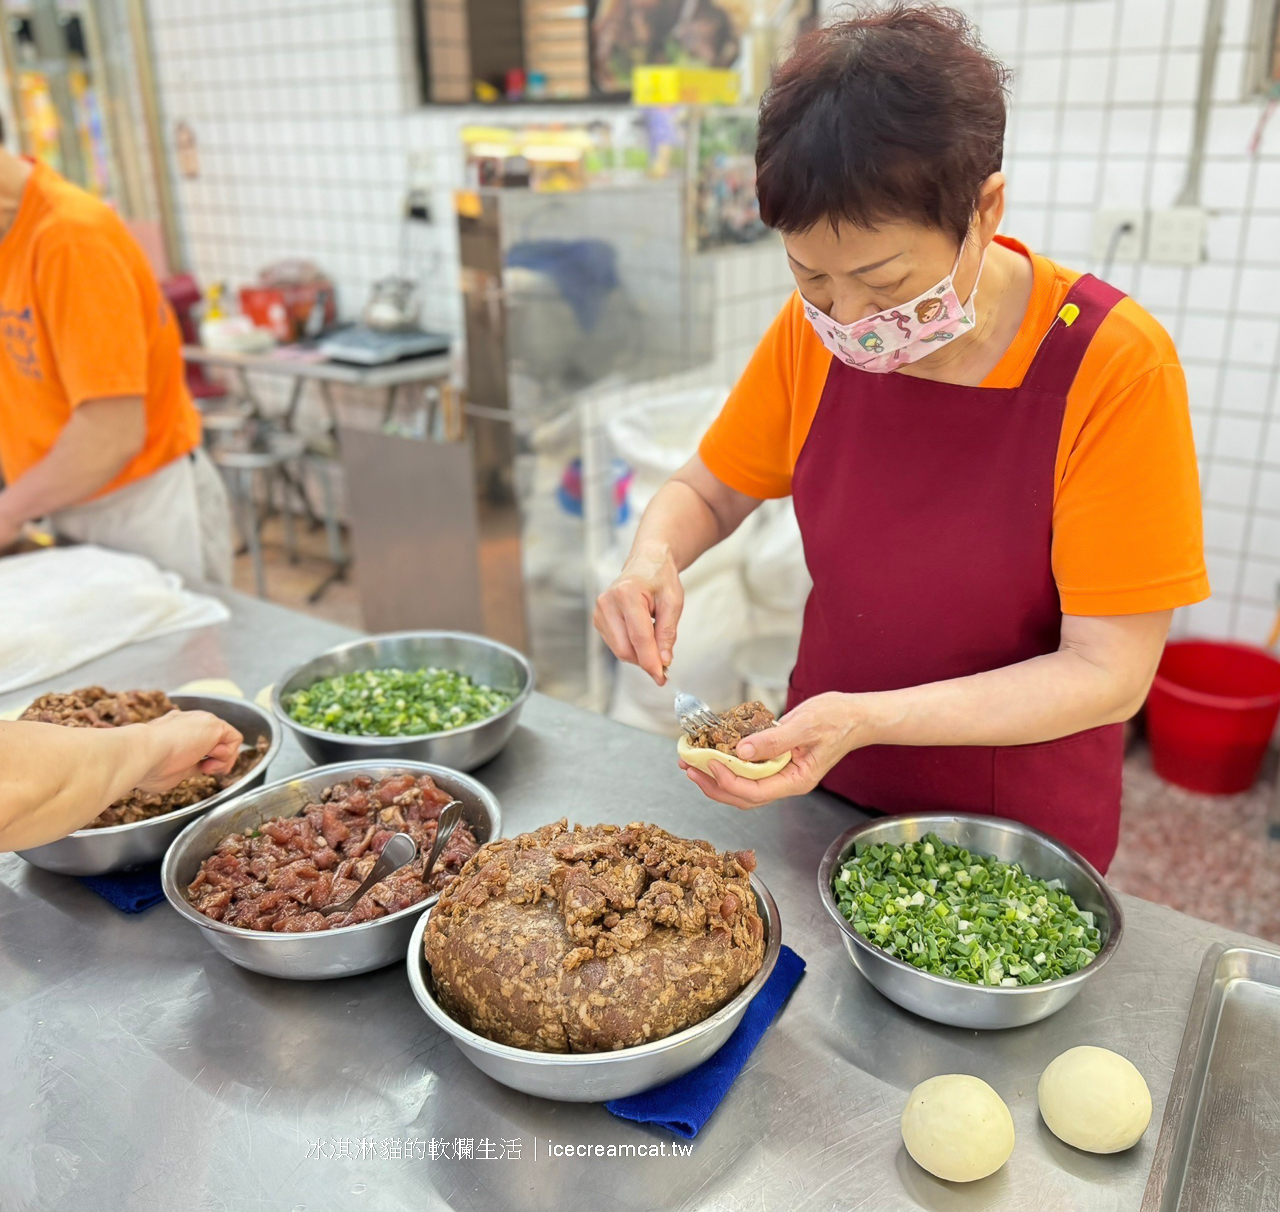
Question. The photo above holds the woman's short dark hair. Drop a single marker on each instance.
(897, 113)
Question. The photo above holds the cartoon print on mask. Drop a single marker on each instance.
(930, 309)
(890, 339)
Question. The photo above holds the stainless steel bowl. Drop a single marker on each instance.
(954, 1002)
(119, 847)
(484, 660)
(321, 954)
(594, 1077)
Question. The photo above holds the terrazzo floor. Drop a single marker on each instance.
(1214, 857)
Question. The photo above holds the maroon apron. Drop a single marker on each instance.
(926, 511)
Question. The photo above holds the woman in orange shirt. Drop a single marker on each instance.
(996, 488)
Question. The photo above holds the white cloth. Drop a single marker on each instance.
(177, 516)
(68, 605)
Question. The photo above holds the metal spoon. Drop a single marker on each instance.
(399, 850)
(448, 820)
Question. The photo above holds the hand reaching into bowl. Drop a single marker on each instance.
(55, 780)
(184, 743)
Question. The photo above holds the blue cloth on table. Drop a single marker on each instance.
(585, 272)
(685, 1104)
(128, 891)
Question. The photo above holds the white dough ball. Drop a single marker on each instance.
(1095, 1099)
(957, 1127)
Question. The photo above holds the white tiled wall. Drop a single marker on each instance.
(1102, 117)
(299, 108)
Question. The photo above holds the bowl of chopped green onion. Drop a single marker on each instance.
(969, 920)
(446, 697)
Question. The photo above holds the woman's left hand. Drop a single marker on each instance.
(184, 743)
(819, 732)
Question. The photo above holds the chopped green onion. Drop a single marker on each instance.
(968, 917)
(394, 702)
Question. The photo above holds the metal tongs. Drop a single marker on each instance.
(694, 715)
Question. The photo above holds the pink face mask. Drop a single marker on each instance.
(903, 334)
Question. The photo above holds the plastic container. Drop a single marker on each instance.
(1211, 713)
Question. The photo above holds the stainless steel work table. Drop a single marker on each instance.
(140, 1070)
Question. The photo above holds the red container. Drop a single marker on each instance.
(1211, 712)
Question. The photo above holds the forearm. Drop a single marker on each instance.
(1099, 675)
(680, 522)
(691, 512)
(54, 780)
(1036, 700)
(93, 448)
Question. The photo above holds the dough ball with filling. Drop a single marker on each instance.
(957, 1127)
(701, 759)
(1094, 1099)
(718, 741)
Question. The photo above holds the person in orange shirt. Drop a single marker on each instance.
(989, 454)
(97, 429)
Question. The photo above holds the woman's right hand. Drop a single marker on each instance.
(638, 613)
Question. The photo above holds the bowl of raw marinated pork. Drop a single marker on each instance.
(254, 874)
(138, 828)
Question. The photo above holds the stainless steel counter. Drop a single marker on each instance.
(140, 1070)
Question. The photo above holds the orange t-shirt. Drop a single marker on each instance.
(1126, 511)
(82, 318)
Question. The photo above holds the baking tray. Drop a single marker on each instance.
(1219, 1148)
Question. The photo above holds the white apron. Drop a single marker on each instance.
(177, 516)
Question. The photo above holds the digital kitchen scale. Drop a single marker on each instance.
(369, 347)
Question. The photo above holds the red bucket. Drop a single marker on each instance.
(1211, 712)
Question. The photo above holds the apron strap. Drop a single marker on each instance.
(1054, 367)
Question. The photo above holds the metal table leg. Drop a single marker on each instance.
(295, 398)
(389, 409)
(246, 389)
(249, 527)
(330, 407)
(286, 515)
(333, 533)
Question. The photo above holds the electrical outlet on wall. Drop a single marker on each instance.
(1176, 236)
(417, 197)
(1119, 233)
